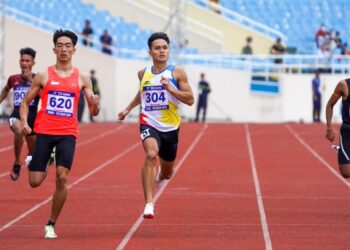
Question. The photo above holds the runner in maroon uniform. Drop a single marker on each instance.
(20, 83)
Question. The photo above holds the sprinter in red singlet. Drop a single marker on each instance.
(56, 124)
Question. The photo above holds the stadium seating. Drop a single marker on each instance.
(71, 14)
(298, 19)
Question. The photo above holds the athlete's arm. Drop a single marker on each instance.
(135, 101)
(339, 91)
(92, 99)
(184, 93)
(33, 91)
(4, 92)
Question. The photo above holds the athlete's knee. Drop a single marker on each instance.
(61, 178)
(35, 182)
(151, 155)
(345, 172)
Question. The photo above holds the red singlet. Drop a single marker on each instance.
(59, 105)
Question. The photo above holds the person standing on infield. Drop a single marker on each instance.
(163, 88)
(56, 124)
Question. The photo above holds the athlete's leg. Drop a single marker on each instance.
(60, 194)
(148, 172)
(18, 140)
(30, 139)
(345, 170)
(166, 169)
(36, 178)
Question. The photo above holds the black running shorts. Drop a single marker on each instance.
(167, 141)
(44, 144)
(344, 150)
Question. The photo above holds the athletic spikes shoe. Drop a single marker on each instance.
(148, 213)
(50, 232)
(16, 169)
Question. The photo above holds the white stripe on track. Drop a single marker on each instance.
(84, 142)
(264, 225)
(138, 222)
(95, 170)
(317, 156)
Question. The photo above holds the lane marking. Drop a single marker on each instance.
(83, 142)
(317, 156)
(138, 222)
(264, 225)
(84, 177)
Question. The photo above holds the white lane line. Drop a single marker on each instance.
(317, 156)
(83, 142)
(264, 225)
(138, 222)
(95, 170)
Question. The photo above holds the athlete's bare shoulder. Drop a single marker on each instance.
(140, 73)
(41, 78)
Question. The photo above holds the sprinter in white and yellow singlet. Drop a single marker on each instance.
(163, 88)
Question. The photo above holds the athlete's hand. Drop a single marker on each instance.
(123, 114)
(95, 99)
(165, 82)
(330, 134)
(26, 130)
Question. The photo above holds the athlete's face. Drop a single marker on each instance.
(64, 48)
(159, 50)
(26, 62)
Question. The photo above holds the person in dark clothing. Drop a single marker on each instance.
(341, 91)
(81, 106)
(87, 34)
(106, 41)
(20, 83)
(278, 49)
(204, 90)
(95, 88)
(316, 97)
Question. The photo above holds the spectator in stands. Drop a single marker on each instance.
(247, 49)
(95, 88)
(204, 90)
(320, 35)
(87, 34)
(316, 97)
(106, 41)
(278, 49)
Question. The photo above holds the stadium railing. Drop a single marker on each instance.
(292, 64)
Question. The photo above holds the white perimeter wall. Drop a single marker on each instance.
(230, 97)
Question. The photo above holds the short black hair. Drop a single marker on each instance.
(157, 35)
(59, 33)
(28, 51)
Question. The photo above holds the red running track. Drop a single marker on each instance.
(236, 186)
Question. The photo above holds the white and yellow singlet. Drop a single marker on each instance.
(159, 109)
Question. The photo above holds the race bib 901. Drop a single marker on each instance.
(60, 103)
(18, 94)
(155, 98)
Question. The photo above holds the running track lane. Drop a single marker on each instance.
(211, 203)
(307, 207)
(29, 197)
